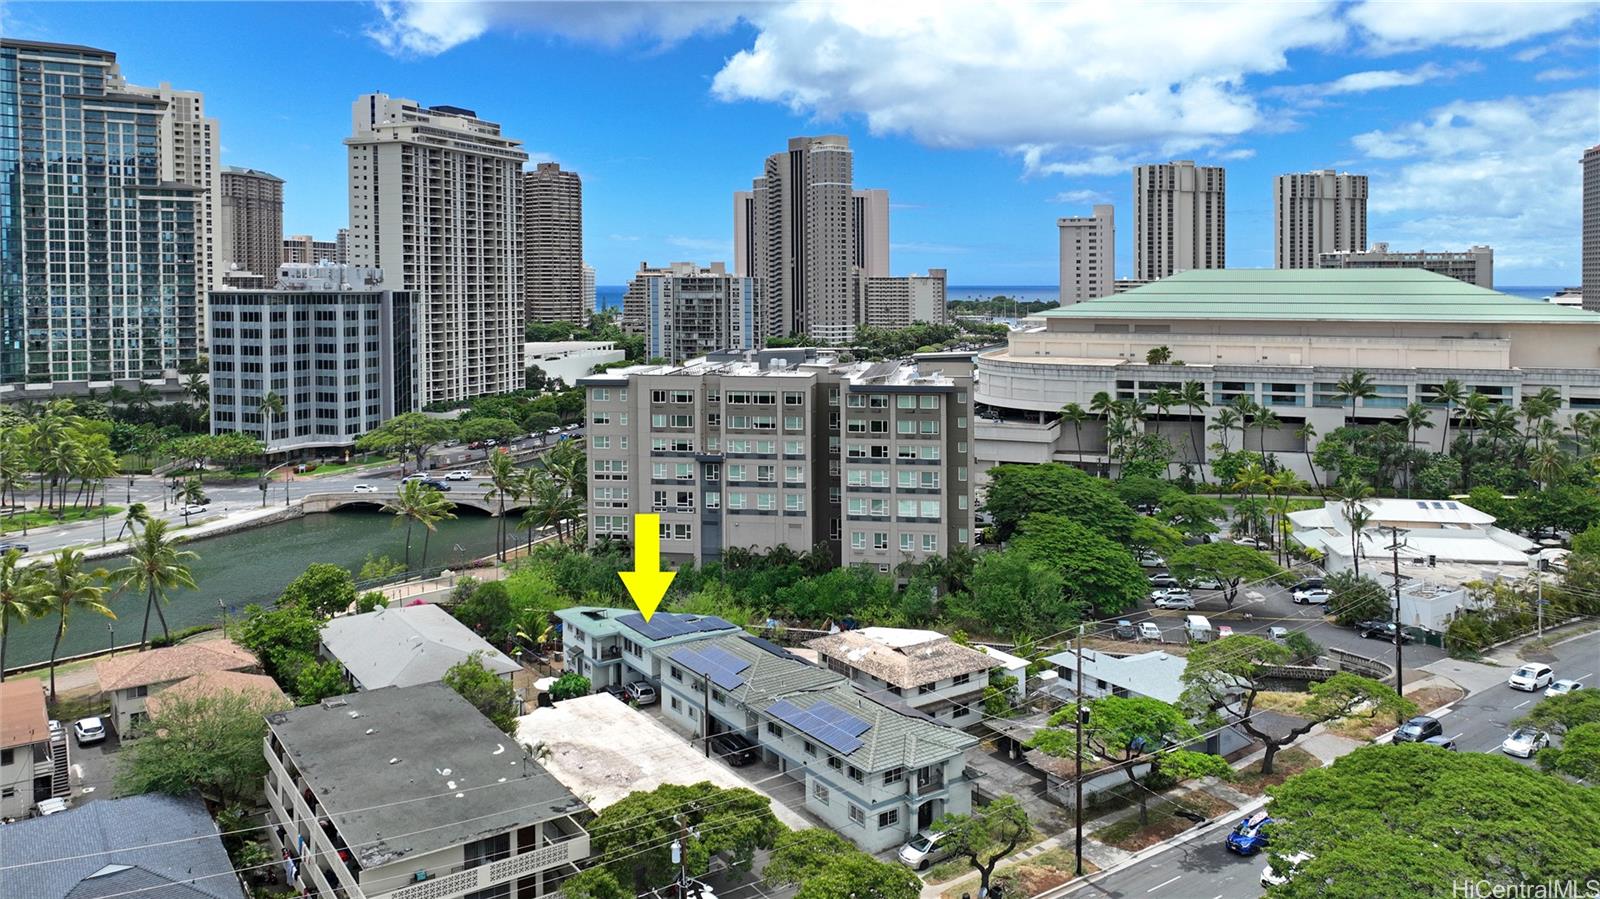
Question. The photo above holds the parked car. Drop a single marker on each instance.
(89, 730)
(1531, 677)
(8, 547)
(554, 430)
(1278, 634)
(1163, 581)
(1206, 582)
(363, 488)
(1418, 729)
(574, 426)
(1224, 631)
(1291, 864)
(735, 748)
(1250, 835)
(1442, 742)
(1524, 742)
(616, 690)
(1124, 630)
(1251, 542)
(1151, 560)
(1309, 583)
(1314, 596)
(1382, 630)
(1562, 687)
(55, 728)
(460, 474)
(924, 849)
(1149, 630)
(1175, 599)
(641, 692)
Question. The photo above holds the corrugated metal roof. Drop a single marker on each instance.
(403, 647)
(1321, 295)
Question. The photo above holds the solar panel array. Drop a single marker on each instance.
(833, 726)
(666, 625)
(723, 668)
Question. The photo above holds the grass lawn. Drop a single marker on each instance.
(329, 468)
(12, 524)
(1045, 871)
(955, 867)
(1128, 834)
(1285, 765)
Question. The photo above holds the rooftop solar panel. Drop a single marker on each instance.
(720, 667)
(808, 723)
(667, 625)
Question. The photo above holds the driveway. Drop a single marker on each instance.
(94, 768)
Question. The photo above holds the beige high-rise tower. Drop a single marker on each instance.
(552, 229)
(1591, 229)
(250, 221)
(1179, 218)
(436, 202)
(1088, 255)
(1318, 212)
(869, 211)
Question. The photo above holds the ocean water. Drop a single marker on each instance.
(1531, 293)
(608, 296)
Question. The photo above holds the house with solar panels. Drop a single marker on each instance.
(874, 769)
(617, 646)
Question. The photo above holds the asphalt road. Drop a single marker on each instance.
(1203, 868)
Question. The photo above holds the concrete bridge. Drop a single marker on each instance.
(463, 499)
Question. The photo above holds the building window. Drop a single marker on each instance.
(774, 730)
(889, 818)
(489, 849)
(857, 816)
(674, 673)
(855, 774)
(893, 776)
(675, 704)
(819, 792)
(925, 689)
(810, 747)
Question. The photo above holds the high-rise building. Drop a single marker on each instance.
(1088, 254)
(685, 311)
(588, 289)
(795, 448)
(128, 311)
(341, 247)
(1591, 228)
(251, 221)
(191, 153)
(1474, 266)
(323, 329)
(1316, 213)
(303, 249)
(1179, 218)
(552, 228)
(902, 301)
(435, 201)
(803, 229)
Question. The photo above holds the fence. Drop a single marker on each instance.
(1345, 660)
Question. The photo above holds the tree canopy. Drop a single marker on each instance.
(205, 741)
(488, 692)
(825, 865)
(1357, 598)
(323, 590)
(633, 836)
(1095, 570)
(1230, 563)
(1017, 491)
(407, 434)
(986, 836)
(1192, 515)
(569, 686)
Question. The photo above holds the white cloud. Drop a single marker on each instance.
(1235, 155)
(431, 27)
(1562, 75)
(1382, 79)
(1080, 197)
(701, 244)
(1502, 172)
(1416, 24)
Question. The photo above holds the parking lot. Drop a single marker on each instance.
(93, 767)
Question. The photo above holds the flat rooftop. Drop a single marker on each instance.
(404, 771)
(1342, 295)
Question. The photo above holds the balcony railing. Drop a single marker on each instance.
(465, 880)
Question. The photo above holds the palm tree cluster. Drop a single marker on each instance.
(60, 448)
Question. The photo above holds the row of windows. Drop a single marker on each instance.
(901, 401)
(905, 508)
(908, 542)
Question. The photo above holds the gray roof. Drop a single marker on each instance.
(1155, 674)
(406, 646)
(94, 851)
(604, 622)
(404, 771)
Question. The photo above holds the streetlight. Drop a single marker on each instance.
(130, 489)
(224, 610)
(112, 631)
(263, 486)
(102, 520)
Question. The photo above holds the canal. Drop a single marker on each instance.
(254, 566)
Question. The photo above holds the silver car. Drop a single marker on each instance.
(923, 850)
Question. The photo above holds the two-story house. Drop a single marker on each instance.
(873, 769)
(617, 646)
(411, 793)
(33, 758)
(924, 669)
(129, 679)
(405, 646)
(1154, 674)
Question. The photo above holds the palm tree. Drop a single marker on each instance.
(417, 503)
(199, 391)
(1416, 417)
(551, 506)
(1223, 422)
(1357, 385)
(1159, 355)
(503, 482)
(1352, 493)
(1265, 420)
(1193, 396)
(97, 465)
(49, 432)
(1075, 415)
(1162, 400)
(13, 463)
(69, 589)
(1473, 410)
(136, 516)
(1306, 433)
(1547, 464)
(192, 493)
(21, 597)
(1250, 479)
(1501, 423)
(1280, 487)
(155, 565)
(569, 466)
(1450, 394)
(271, 406)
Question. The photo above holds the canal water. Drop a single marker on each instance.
(254, 566)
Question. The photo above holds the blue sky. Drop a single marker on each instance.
(985, 122)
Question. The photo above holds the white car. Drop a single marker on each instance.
(413, 477)
(194, 509)
(1531, 678)
(52, 806)
(1206, 583)
(923, 850)
(89, 730)
(1291, 863)
(1175, 599)
(1251, 542)
(1562, 687)
(1524, 742)
(1149, 630)
(1315, 596)
(1151, 560)
(554, 430)
(1224, 631)
(460, 474)
(574, 426)
(363, 488)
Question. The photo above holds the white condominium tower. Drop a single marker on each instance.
(1088, 255)
(1318, 212)
(552, 229)
(191, 153)
(435, 201)
(1178, 218)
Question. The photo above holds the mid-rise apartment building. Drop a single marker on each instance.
(251, 222)
(341, 247)
(1318, 212)
(685, 311)
(127, 310)
(552, 247)
(411, 793)
(901, 301)
(435, 201)
(588, 289)
(870, 461)
(1474, 266)
(1088, 254)
(1179, 218)
(334, 343)
(303, 249)
(1591, 228)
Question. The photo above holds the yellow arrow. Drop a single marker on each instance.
(647, 583)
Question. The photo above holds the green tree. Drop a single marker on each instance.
(485, 607)
(1192, 515)
(986, 836)
(282, 638)
(155, 566)
(1357, 385)
(1138, 490)
(1407, 820)
(825, 865)
(22, 596)
(271, 407)
(594, 883)
(1094, 569)
(1357, 598)
(209, 742)
(191, 494)
(407, 434)
(569, 686)
(1229, 675)
(1560, 714)
(631, 837)
(504, 483)
(488, 692)
(323, 589)
(1577, 757)
(1074, 414)
(1014, 594)
(316, 681)
(1016, 491)
(473, 430)
(69, 589)
(1451, 395)
(1229, 563)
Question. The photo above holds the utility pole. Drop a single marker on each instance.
(705, 711)
(1394, 548)
(1538, 603)
(680, 856)
(1077, 756)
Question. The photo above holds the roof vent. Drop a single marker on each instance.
(334, 702)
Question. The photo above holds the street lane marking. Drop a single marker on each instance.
(1522, 703)
(1457, 736)
(1162, 884)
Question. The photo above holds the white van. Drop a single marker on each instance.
(1198, 627)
